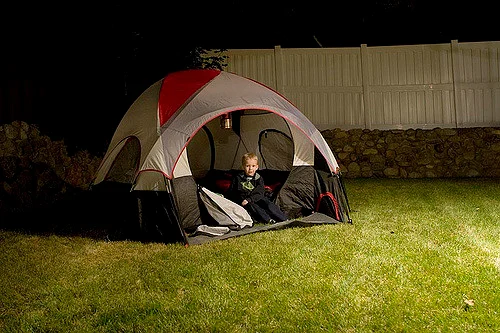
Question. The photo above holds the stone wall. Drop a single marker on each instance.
(36, 171)
(436, 153)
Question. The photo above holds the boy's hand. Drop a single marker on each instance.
(244, 202)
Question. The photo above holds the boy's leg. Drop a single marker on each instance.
(273, 210)
(257, 212)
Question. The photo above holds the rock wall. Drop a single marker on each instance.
(436, 153)
(36, 171)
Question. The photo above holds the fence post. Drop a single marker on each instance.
(278, 69)
(365, 81)
(455, 64)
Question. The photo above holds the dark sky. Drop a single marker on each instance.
(83, 65)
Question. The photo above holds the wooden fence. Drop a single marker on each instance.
(383, 87)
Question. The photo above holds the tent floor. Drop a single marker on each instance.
(313, 219)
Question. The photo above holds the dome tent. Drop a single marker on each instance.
(188, 132)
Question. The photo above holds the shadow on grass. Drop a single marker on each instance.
(90, 214)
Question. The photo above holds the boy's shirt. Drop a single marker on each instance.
(246, 187)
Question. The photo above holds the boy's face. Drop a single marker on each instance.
(250, 167)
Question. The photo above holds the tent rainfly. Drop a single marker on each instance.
(180, 142)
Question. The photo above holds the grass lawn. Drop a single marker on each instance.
(420, 256)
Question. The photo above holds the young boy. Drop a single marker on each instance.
(247, 189)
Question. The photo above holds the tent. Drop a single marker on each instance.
(182, 140)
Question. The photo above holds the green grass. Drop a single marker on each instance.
(417, 253)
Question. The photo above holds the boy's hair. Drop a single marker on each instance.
(249, 156)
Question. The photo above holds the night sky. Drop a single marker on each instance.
(75, 69)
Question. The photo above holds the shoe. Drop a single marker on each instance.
(271, 221)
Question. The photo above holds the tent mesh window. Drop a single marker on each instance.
(276, 149)
(125, 165)
(201, 160)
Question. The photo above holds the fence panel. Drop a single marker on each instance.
(325, 85)
(410, 86)
(258, 64)
(477, 75)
